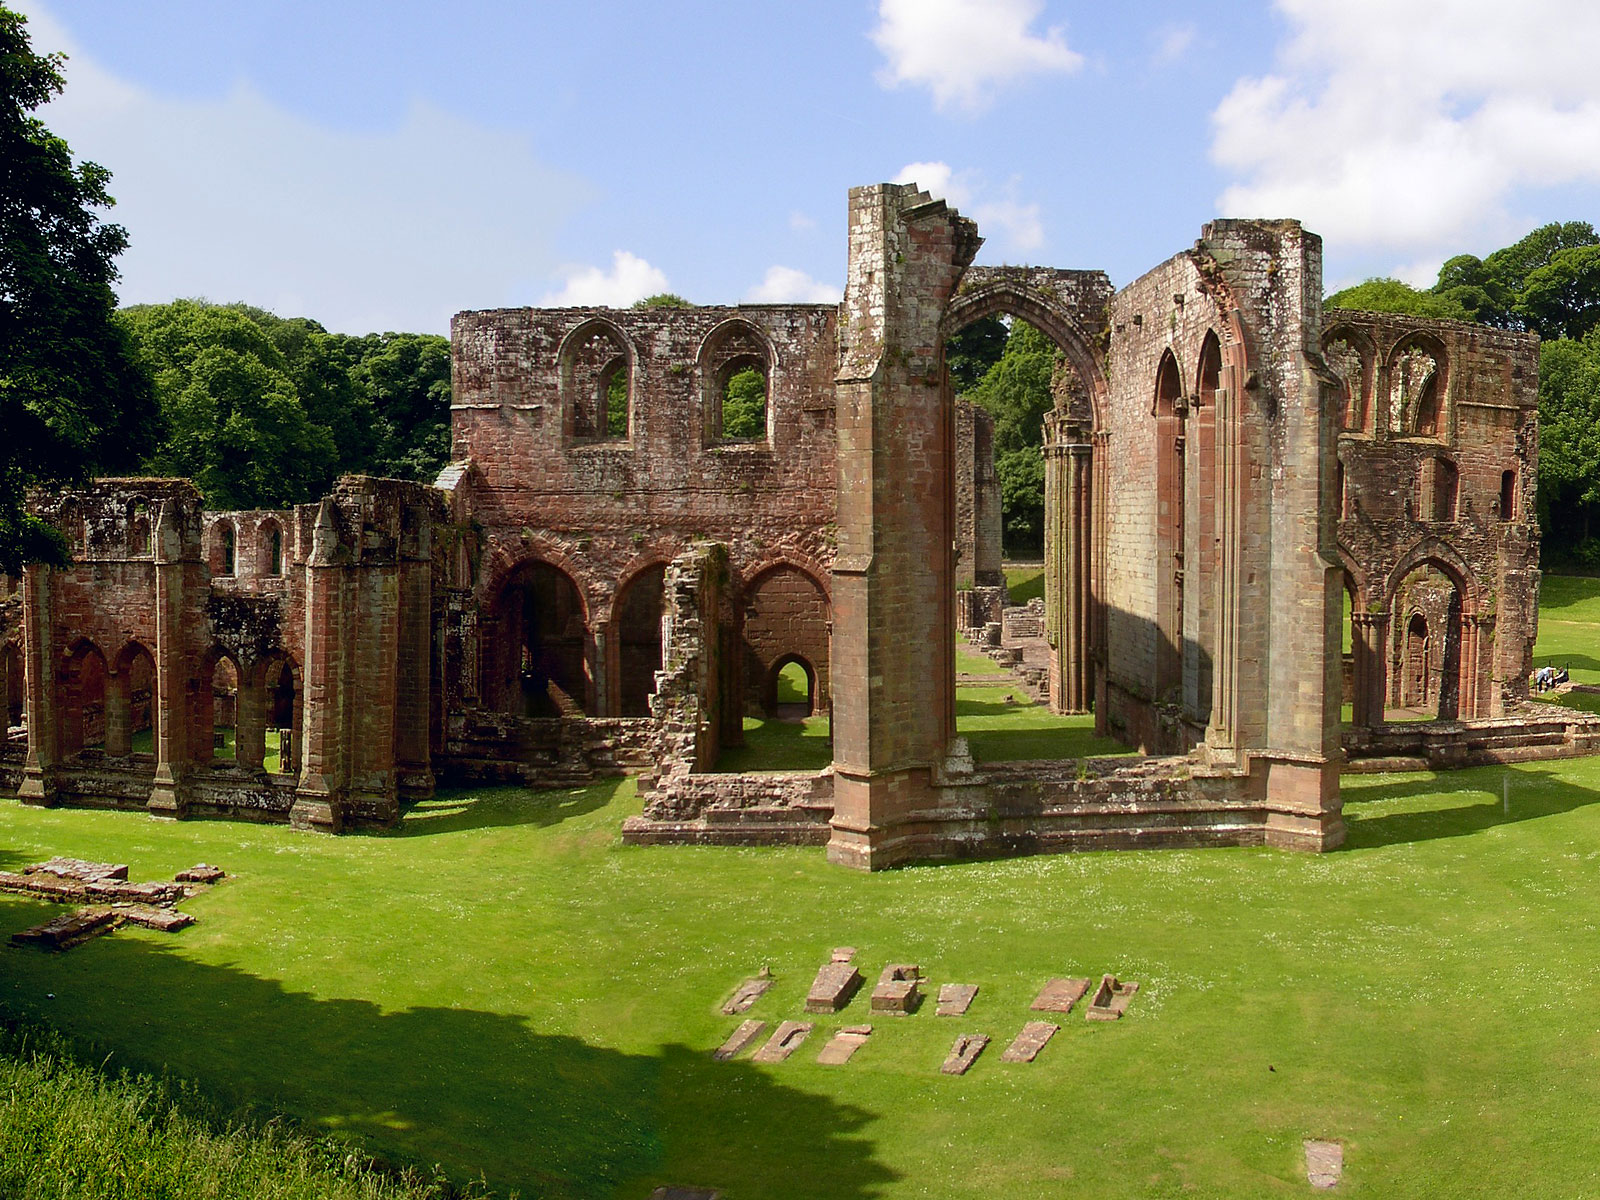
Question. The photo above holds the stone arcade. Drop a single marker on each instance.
(603, 581)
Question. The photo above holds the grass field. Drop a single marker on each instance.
(499, 986)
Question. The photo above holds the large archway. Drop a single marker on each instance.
(83, 698)
(636, 638)
(786, 616)
(537, 645)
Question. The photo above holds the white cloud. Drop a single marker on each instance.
(1173, 42)
(962, 50)
(234, 198)
(787, 285)
(1001, 217)
(630, 278)
(1387, 128)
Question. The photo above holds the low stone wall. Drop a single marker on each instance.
(1000, 810)
(790, 808)
(540, 752)
(1532, 732)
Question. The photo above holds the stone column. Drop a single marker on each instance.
(1069, 534)
(250, 721)
(39, 682)
(119, 710)
(319, 798)
(1369, 636)
(893, 675)
(413, 761)
(174, 674)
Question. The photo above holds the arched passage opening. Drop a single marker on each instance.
(637, 638)
(83, 698)
(277, 685)
(786, 615)
(537, 647)
(792, 687)
(131, 709)
(1427, 660)
(214, 720)
(1049, 449)
(11, 690)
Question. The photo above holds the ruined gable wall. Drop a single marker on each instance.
(605, 508)
(1488, 425)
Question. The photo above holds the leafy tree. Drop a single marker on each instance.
(233, 418)
(1562, 298)
(1017, 390)
(744, 408)
(1395, 296)
(969, 354)
(1569, 438)
(73, 400)
(1491, 290)
(663, 300)
(617, 405)
(405, 378)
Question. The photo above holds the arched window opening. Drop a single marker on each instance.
(1508, 495)
(536, 645)
(1201, 459)
(1340, 490)
(736, 366)
(596, 371)
(1416, 393)
(1438, 483)
(1419, 679)
(222, 549)
(638, 633)
(269, 557)
(1169, 454)
(1344, 359)
(614, 398)
(140, 541)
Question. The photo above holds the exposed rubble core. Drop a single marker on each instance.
(652, 513)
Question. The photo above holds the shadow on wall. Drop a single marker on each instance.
(553, 1117)
(1533, 794)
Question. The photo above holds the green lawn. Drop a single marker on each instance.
(1024, 583)
(1000, 723)
(500, 986)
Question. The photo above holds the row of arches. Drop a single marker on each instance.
(233, 715)
(544, 657)
(1403, 392)
(225, 555)
(598, 362)
(1436, 492)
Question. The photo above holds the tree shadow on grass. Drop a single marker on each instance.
(478, 1092)
(452, 810)
(1533, 794)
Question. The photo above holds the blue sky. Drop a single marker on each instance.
(383, 165)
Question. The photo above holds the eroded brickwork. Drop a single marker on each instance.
(1437, 471)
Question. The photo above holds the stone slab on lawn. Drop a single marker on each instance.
(1059, 995)
(1028, 1043)
(740, 1040)
(964, 1053)
(833, 987)
(844, 1044)
(69, 930)
(955, 999)
(785, 1041)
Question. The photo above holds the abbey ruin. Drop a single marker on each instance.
(603, 581)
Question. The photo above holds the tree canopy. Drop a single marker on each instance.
(265, 411)
(73, 401)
